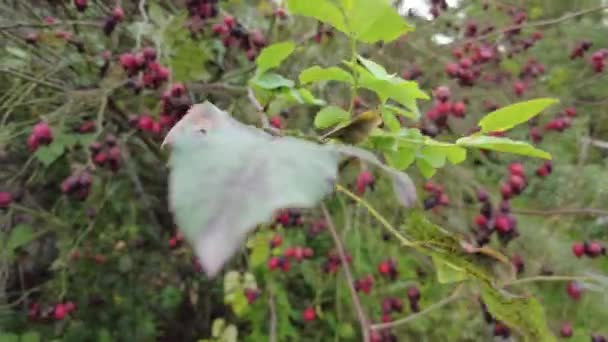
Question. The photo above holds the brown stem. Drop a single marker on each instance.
(566, 211)
(349, 277)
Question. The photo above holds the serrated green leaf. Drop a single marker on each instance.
(273, 55)
(272, 80)
(524, 314)
(331, 116)
(508, 117)
(316, 74)
(500, 144)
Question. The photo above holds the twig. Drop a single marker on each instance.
(33, 79)
(349, 277)
(596, 143)
(142, 10)
(44, 25)
(546, 279)
(377, 216)
(258, 106)
(539, 23)
(556, 212)
(452, 298)
(273, 319)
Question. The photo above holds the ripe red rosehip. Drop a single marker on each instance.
(177, 90)
(503, 224)
(81, 5)
(517, 169)
(118, 14)
(481, 221)
(274, 263)
(535, 135)
(442, 93)
(517, 183)
(145, 123)
(570, 111)
(578, 249)
(594, 249)
(384, 268)
(59, 312)
(452, 69)
(364, 180)
(413, 294)
(519, 88)
(42, 132)
(574, 290)
(5, 199)
(277, 122)
(281, 13)
(566, 330)
(251, 294)
(229, 21)
(459, 109)
(506, 191)
(276, 241)
(309, 314)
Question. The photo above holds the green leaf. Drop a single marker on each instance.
(433, 156)
(309, 98)
(425, 168)
(374, 68)
(510, 116)
(525, 314)
(402, 158)
(47, 155)
(170, 297)
(9, 337)
(443, 246)
(322, 10)
(448, 272)
(331, 116)
(454, 153)
(502, 145)
(271, 80)
(273, 55)
(20, 236)
(403, 112)
(188, 60)
(316, 74)
(373, 21)
(390, 121)
(260, 249)
(217, 327)
(157, 14)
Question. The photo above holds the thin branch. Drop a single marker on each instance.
(45, 25)
(142, 10)
(566, 211)
(349, 277)
(539, 23)
(452, 298)
(596, 143)
(260, 109)
(33, 79)
(547, 279)
(272, 333)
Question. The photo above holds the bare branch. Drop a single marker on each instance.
(349, 277)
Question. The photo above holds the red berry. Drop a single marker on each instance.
(229, 21)
(177, 90)
(384, 268)
(149, 53)
(5, 199)
(60, 312)
(309, 314)
(281, 13)
(173, 242)
(99, 259)
(118, 14)
(81, 5)
(578, 249)
(570, 111)
(594, 249)
(276, 241)
(145, 123)
(459, 109)
(277, 122)
(574, 290)
(43, 132)
(274, 263)
(517, 169)
(519, 88)
(566, 330)
(413, 294)
(452, 69)
(517, 183)
(503, 224)
(506, 191)
(442, 93)
(364, 180)
(481, 221)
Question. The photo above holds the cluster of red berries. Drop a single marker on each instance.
(154, 74)
(202, 9)
(388, 269)
(437, 196)
(78, 185)
(365, 180)
(562, 120)
(251, 295)
(296, 253)
(53, 312)
(413, 296)
(107, 154)
(333, 262)
(580, 48)
(364, 284)
(41, 135)
(598, 60)
(234, 34)
(389, 306)
(289, 218)
(442, 107)
(317, 227)
(6, 198)
(412, 73)
(174, 104)
(487, 221)
(591, 249)
(470, 59)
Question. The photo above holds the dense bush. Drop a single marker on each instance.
(90, 251)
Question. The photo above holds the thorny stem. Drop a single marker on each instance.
(349, 277)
